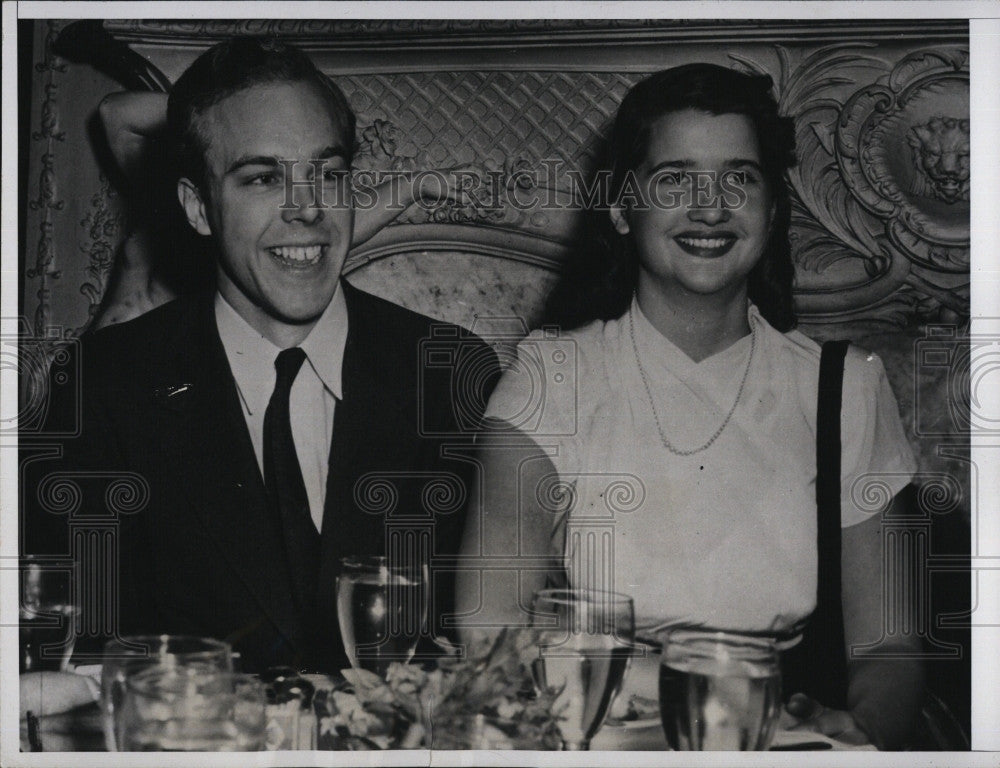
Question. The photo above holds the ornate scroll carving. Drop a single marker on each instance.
(877, 130)
(103, 225)
(862, 198)
(48, 134)
(377, 158)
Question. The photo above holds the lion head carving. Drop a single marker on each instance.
(941, 155)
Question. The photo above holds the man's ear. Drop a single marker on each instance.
(194, 207)
(617, 214)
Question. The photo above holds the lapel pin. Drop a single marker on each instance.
(168, 394)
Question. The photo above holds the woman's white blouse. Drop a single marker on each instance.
(725, 537)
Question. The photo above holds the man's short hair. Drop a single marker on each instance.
(227, 68)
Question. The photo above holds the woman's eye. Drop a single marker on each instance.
(747, 177)
(674, 178)
(739, 179)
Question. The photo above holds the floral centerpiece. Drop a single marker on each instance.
(482, 700)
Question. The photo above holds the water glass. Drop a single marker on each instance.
(131, 655)
(381, 610)
(586, 638)
(47, 634)
(193, 708)
(719, 690)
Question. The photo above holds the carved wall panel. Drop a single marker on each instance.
(880, 228)
(73, 217)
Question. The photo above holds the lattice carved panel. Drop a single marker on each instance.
(492, 118)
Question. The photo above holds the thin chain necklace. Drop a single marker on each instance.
(659, 426)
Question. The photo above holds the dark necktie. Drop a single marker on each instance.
(286, 491)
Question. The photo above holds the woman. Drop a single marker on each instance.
(688, 430)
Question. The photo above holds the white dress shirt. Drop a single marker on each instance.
(314, 394)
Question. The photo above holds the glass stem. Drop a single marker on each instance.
(575, 746)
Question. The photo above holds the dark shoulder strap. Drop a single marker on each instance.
(817, 666)
(828, 451)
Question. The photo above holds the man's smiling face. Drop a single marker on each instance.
(278, 267)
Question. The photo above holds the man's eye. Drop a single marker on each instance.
(335, 174)
(264, 179)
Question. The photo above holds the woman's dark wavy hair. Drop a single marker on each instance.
(598, 284)
(227, 68)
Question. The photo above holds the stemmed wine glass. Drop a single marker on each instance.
(381, 609)
(719, 690)
(586, 638)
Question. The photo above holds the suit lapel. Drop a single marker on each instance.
(211, 447)
(369, 422)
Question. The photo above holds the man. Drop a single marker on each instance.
(260, 416)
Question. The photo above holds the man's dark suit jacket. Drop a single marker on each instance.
(205, 555)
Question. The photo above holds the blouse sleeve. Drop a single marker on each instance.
(877, 460)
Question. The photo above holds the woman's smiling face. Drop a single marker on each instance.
(709, 208)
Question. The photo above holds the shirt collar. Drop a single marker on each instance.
(324, 346)
(251, 356)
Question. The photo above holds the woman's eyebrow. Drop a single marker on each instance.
(672, 164)
(735, 162)
(744, 162)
